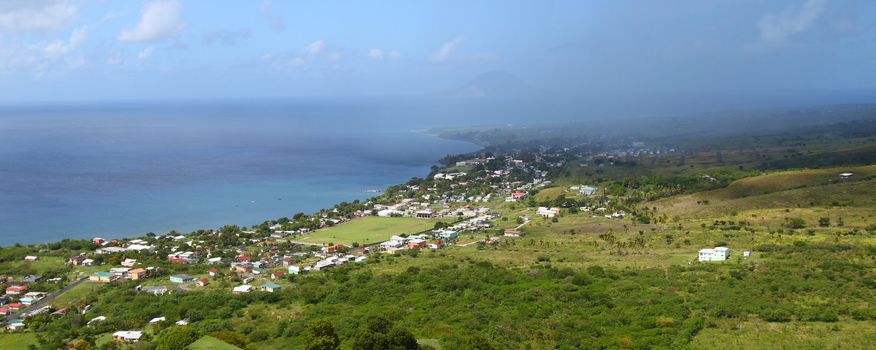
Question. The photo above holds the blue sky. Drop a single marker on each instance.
(53, 50)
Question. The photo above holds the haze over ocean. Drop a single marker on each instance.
(124, 170)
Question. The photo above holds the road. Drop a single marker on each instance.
(47, 299)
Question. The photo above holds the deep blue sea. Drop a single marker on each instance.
(79, 171)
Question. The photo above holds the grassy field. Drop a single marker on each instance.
(754, 335)
(369, 230)
(17, 341)
(76, 295)
(209, 343)
(39, 267)
(788, 189)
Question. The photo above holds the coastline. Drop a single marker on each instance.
(343, 195)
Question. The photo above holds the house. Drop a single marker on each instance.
(5, 311)
(31, 258)
(88, 262)
(202, 282)
(16, 290)
(587, 190)
(513, 233)
(119, 271)
(181, 279)
(30, 279)
(417, 243)
(714, 254)
(846, 175)
(154, 290)
(277, 274)
(182, 322)
(127, 336)
(157, 320)
(293, 270)
(110, 250)
(516, 195)
(15, 325)
(548, 213)
(245, 288)
(76, 260)
(129, 262)
(101, 277)
(98, 240)
(424, 214)
(97, 319)
(270, 287)
(213, 272)
(447, 234)
(136, 274)
(431, 245)
(32, 297)
(14, 306)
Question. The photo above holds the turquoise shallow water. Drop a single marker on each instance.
(116, 171)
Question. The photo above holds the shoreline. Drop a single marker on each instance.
(359, 194)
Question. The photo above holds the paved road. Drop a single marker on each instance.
(47, 299)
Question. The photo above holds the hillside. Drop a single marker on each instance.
(615, 269)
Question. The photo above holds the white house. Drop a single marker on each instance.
(548, 213)
(587, 190)
(241, 289)
(128, 336)
(714, 254)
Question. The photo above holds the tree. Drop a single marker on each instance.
(379, 333)
(321, 336)
(231, 337)
(824, 222)
(176, 338)
(796, 223)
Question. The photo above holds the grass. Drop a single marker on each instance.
(369, 230)
(39, 267)
(754, 335)
(789, 189)
(75, 295)
(17, 341)
(430, 342)
(210, 343)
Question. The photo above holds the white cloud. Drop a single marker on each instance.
(158, 20)
(314, 48)
(776, 28)
(375, 54)
(146, 53)
(35, 15)
(446, 50)
(45, 58)
(60, 48)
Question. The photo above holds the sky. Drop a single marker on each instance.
(103, 50)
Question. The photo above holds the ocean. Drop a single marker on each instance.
(126, 169)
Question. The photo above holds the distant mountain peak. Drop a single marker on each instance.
(496, 83)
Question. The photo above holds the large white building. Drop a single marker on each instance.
(714, 254)
(548, 213)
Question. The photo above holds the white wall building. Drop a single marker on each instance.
(714, 254)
